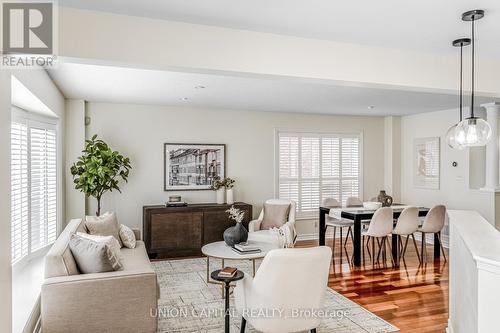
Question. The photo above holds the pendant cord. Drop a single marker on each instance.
(461, 55)
(472, 79)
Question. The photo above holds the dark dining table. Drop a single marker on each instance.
(361, 215)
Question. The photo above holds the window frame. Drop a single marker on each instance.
(319, 134)
(31, 120)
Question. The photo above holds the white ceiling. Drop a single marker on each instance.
(141, 86)
(429, 25)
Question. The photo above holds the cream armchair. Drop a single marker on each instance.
(257, 231)
(290, 280)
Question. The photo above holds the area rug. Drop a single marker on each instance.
(189, 304)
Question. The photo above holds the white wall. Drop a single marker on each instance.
(454, 189)
(140, 132)
(75, 142)
(5, 254)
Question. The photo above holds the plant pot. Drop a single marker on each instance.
(230, 196)
(220, 196)
(235, 235)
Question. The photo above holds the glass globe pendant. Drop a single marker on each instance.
(473, 131)
(451, 138)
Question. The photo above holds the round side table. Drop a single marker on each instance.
(227, 280)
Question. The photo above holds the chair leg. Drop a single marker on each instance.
(416, 247)
(424, 250)
(373, 250)
(404, 248)
(363, 248)
(340, 244)
(441, 244)
(243, 325)
(333, 247)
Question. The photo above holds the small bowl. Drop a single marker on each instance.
(372, 205)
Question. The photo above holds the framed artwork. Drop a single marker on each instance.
(193, 166)
(427, 163)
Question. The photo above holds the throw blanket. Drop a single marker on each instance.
(286, 235)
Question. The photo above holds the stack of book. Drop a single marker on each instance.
(245, 248)
(227, 272)
(175, 204)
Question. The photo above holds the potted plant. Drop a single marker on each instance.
(229, 184)
(218, 187)
(236, 234)
(99, 170)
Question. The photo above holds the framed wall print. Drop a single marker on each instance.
(193, 166)
(426, 163)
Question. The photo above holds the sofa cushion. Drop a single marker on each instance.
(59, 260)
(275, 215)
(93, 256)
(104, 225)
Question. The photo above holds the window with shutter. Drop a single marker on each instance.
(313, 166)
(33, 187)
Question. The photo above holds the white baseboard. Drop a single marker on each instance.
(449, 329)
(418, 236)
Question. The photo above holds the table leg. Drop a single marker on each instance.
(321, 227)
(395, 249)
(253, 265)
(208, 267)
(226, 308)
(357, 242)
(222, 286)
(437, 246)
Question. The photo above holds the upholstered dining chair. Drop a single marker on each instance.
(276, 213)
(407, 224)
(288, 279)
(354, 202)
(380, 227)
(433, 224)
(338, 223)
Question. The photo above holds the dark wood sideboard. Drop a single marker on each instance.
(182, 231)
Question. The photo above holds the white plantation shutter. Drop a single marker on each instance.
(43, 187)
(315, 166)
(19, 190)
(33, 187)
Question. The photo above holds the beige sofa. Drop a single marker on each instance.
(120, 301)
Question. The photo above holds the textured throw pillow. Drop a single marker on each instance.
(110, 240)
(92, 256)
(274, 216)
(104, 225)
(127, 236)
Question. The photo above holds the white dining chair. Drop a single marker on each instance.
(380, 227)
(287, 279)
(353, 202)
(407, 224)
(338, 223)
(433, 224)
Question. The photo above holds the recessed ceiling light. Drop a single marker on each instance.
(199, 87)
(184, 99)
(371, 107)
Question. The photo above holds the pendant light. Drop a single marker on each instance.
(451, 134)
(473, 131)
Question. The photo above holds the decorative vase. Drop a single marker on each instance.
(220, 196)
(235, 235)
(385, 199)
(230, 196)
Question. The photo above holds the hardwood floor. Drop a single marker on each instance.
(412, 297)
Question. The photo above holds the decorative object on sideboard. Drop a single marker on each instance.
(175, 201)
(99, 169)
(189, 166)
(236, 234)
(426, 163)
(220, 190)
(229, 185)
(473, 131)
(384, 199)
(451, 137)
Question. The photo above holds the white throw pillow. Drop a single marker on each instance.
(112, 242)
(104, 225)
(92, 256)
(127, 236)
